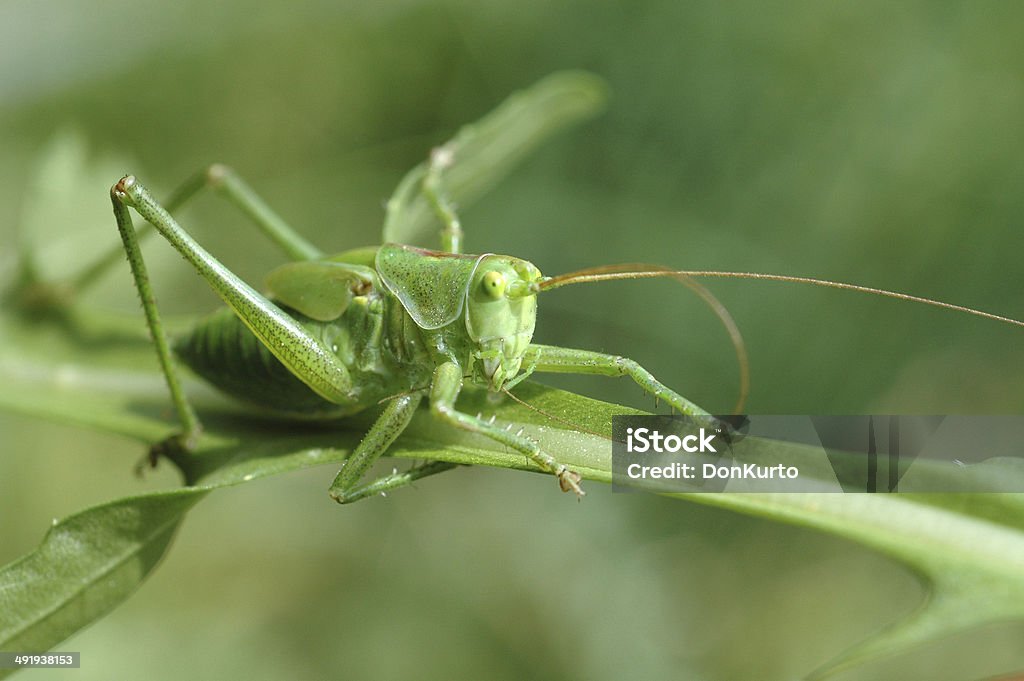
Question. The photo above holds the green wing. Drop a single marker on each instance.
(320, 289)
(430, 285)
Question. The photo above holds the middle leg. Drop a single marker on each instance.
(396, 416)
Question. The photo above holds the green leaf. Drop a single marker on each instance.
(972, 564)
(87, 564)
(484, 152)
(65, 186)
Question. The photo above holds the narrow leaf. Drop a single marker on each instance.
(484, 152)
(87, 564)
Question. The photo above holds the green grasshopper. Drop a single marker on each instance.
(344, 333)
(392, 324)
(340, 334)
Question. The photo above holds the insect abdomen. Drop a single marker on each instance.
(224, 352)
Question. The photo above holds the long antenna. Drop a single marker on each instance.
(650, 272)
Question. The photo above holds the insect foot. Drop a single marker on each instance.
(174, 448)
(341, 496)
(570, 480)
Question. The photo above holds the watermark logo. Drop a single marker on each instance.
(643, 440)
(875, 454)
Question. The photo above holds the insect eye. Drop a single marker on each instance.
(494, 284)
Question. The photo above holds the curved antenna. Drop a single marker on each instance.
(648, 271)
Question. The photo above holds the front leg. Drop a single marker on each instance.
(553, 359)
(444, 389)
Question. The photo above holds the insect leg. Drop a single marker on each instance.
(389, 425)
(297, 349)
(552, 359)
(445, 389)
(190, 424)
(226, 182)
(441, 159)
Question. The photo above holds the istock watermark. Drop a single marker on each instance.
(818, 454)
(644, 440)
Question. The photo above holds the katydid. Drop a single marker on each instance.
(344, 333)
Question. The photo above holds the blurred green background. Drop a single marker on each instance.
(864, 141)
